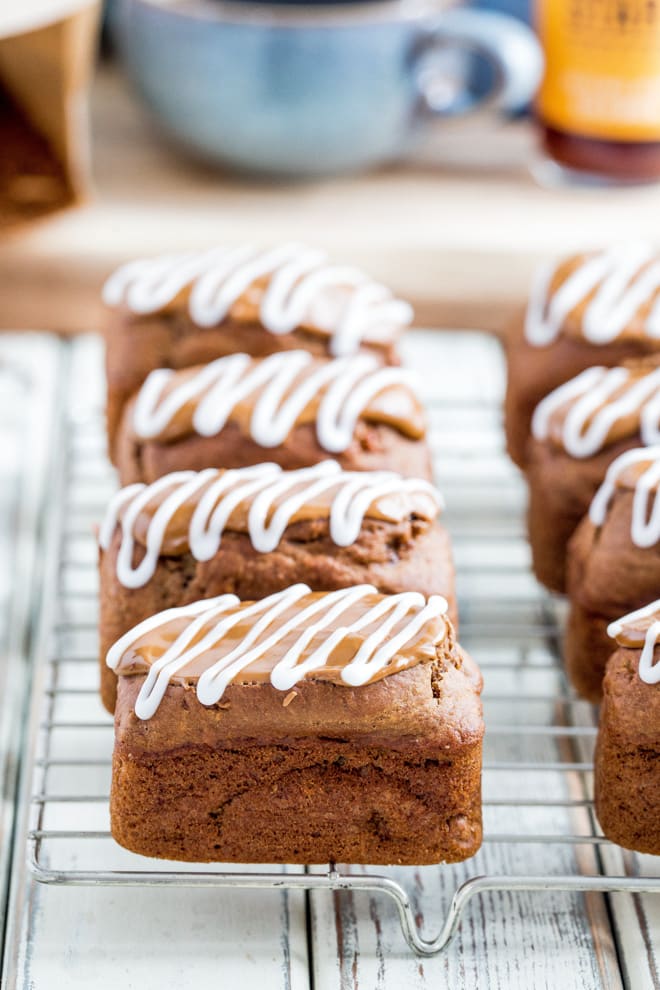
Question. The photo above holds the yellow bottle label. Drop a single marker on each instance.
(602, 76)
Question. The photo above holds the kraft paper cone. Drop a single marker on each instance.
(44, 77)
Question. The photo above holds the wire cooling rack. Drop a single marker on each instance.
(26, 396)
(541, 833)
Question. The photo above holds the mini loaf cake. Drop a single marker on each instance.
(593, 309)
(613, 563)
(289, 408)
(627, 762)
(181, 310)
(305, 728)
(578, 430)
(255, 531)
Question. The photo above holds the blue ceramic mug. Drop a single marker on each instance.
(310, 90)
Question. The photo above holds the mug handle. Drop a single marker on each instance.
(511, 48)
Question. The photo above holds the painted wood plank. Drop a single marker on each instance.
(636, 919)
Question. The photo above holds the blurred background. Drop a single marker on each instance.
(445, 147)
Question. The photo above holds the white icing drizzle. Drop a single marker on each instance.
(564, 393)
(345, 387)
(621, 282)
(219, 616)
(263, 486)
(645, 523)
(594, 410)
(303, 289)
(648, 671)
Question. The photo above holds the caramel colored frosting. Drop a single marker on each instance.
(636, 471)
(631, 630)
(641, 630)
(632, 473)
(286, 288)
(189, 511)
(350, 637)
(403, 500)
(390, 508)
(598, 297)
(601, 407)
(267, 397)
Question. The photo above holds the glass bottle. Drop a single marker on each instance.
(599, 102)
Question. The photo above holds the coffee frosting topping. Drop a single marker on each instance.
(601, 406)
(287, 287)
(190, 511)
(598, 297)
(639, 471)
(267, 397)
(350, 637)
(641, 629)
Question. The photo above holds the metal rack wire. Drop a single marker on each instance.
(541, 833)
(27, 373)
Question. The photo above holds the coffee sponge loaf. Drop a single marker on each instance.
(627, 762)
(613, 563)
(289, 408)
(305, 728)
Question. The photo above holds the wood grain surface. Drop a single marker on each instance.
(457, 229)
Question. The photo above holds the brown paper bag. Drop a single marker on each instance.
(47, 49)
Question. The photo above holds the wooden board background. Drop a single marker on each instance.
(457, 230)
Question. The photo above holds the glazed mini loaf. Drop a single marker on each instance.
(177, 311)
(578, 430)
(591, 309)
(306, 728)
(627, 781)
(258, 530)
(289, 408)
(613, 563)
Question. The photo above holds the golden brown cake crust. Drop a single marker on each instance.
(586, 650)
(385, 773)
(413, 555)
(627, 762)
(375, 447)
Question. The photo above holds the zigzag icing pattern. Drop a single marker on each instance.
(597, 400)
(302, 288)
(279, 389)
(270, 497)
(299, 632)
(645, 524)
(622, 280)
